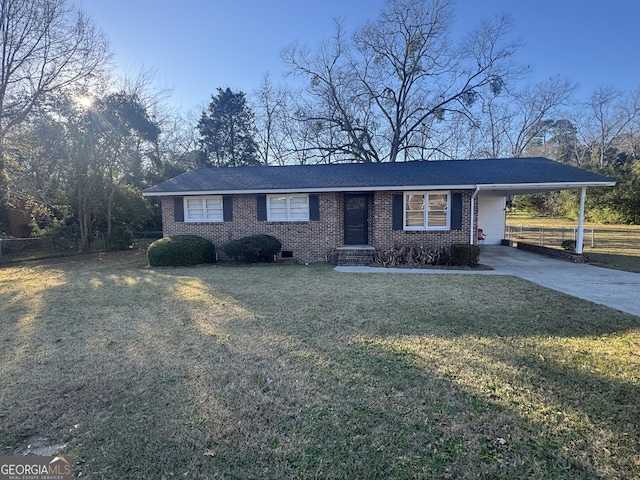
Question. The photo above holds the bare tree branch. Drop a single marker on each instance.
(381, 89)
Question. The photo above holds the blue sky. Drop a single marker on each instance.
(195, 46)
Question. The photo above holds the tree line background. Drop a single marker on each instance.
(79, 142)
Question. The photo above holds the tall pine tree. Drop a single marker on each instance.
(226, 132)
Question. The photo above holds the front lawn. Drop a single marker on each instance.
(302, 372)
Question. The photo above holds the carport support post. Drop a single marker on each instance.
(580, 239)
(473, 234)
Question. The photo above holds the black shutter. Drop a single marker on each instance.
(314, 207)
(227, 208)
(178, 209)
(456, 211)
(397, 211)
(262, 208)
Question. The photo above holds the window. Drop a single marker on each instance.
(203, 209)
(426, 211)
(288, 208)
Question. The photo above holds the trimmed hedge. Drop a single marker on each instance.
(181, 251)
(253, 249)
(465, 254)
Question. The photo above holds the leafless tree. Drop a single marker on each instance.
(269, 106)
(45, 46)
(380, 90)
(612, 115)
(334, 107)
(528, 108)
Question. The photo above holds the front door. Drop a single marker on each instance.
(356, 215)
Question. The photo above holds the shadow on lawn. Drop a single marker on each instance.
(558, 426)
(627, 263)
(203, 372)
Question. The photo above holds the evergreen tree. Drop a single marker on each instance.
(226, 131)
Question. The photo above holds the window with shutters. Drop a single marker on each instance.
(203, 209)
(288, 208)
(427, 210)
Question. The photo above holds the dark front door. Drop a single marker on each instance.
(356, 214)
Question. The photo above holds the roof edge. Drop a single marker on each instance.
(556, 185)
(384, 188)
(387, 188)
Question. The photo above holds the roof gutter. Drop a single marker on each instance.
(551, 185)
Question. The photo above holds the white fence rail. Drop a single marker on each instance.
(612, 238)
(549, 236)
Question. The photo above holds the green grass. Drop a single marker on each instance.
(302, 372)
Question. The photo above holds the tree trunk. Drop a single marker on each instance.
(107, 241)
(395, 146)
(84, 216)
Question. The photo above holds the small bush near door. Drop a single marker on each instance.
(464, 254)
(181, 251)
(253, 249)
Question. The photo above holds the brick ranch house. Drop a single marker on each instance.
(319, 212)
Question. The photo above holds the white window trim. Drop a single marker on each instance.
(288, 199)
(426, 211)
(203, 200)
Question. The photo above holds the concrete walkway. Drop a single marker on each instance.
(613, 288)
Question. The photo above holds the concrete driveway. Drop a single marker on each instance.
(613, 288)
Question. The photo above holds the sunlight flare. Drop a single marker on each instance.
(84, 102)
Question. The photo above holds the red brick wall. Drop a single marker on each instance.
(383, 237)
(309, 241)
(314, 241)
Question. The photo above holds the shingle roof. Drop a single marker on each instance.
(508, 173)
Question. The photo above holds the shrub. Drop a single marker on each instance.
(412, 255)
(569, 245)
(253, 249)
(121, 238)
(464, 254)
(180, 251)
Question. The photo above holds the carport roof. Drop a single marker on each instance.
(507, 175)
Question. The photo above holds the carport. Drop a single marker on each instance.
(492, 202)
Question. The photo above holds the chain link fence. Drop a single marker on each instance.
(68, 242)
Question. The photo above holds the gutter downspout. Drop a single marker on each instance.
(473, 237)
